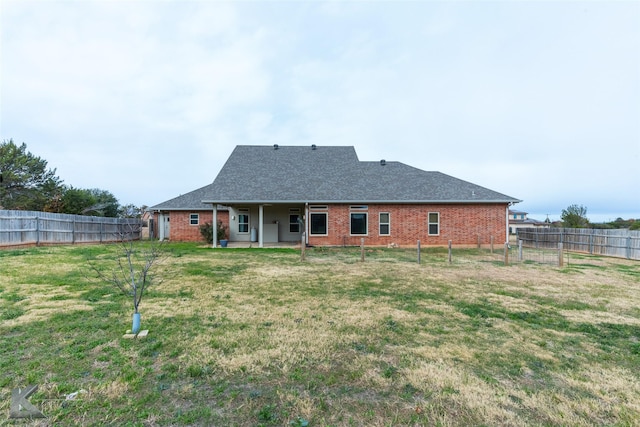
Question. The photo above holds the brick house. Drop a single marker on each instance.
(520, 219)
(275, 193)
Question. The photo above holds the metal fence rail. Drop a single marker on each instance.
(35, 228)
(615, 243)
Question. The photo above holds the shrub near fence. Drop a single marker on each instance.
(35, 228)
(616, 243)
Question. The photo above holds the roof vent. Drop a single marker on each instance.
(313, 146)
(383, 162)
(275, 146)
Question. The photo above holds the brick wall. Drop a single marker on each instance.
(462, 224)
(180, 228)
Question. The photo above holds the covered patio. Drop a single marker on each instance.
(263, 225)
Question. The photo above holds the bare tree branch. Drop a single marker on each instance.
(131, 274)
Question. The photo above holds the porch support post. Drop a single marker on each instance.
(215, 225)
(261, 226)
(307, 227)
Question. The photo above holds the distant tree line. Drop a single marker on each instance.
(575, 216)
(631, 224)
(27, 183)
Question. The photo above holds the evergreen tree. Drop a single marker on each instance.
(91, 202)
(26, 183)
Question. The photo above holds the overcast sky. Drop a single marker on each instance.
(147, 99)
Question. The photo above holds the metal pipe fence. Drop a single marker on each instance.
(18, 228)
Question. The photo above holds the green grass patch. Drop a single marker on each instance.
(258, 337)
(8, 313)
(632, 270)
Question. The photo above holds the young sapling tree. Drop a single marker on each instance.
(132, 273)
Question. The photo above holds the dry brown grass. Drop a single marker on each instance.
(384, 342)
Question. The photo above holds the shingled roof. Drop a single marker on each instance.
(189, 201)
(330, 174)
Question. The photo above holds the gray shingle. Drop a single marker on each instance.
(262, 174)
(188, 201)
(333, 174)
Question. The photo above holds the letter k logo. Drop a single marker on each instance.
(20, 406)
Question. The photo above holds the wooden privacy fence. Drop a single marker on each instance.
(616, 243)
(35, 228)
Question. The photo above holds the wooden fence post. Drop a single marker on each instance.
(492, 244)
(37, 231)
(520, 250)
(303, 245)
(449, 251)
(418, 251)
(506, 253)
(478, 241)
(362, 249)
(560, 257)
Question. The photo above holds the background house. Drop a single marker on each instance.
(519, 219)
(275, 193)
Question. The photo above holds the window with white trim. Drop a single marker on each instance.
(194, 219)
(434, 223)
(243, 220)
(359, 223)
(385, 224)
(294, 220)
(318, 223)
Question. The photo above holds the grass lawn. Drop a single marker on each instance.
(255, 337)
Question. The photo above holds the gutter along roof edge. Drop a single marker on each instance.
(383, 202)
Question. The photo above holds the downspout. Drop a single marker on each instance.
(507, 222)
(215, 225)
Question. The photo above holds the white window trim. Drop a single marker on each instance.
(366, 216)
(197, 218)
(429, 224)
(292, 213)
(358, 207)
(326, 216)
(247, 213)
(387, 223)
